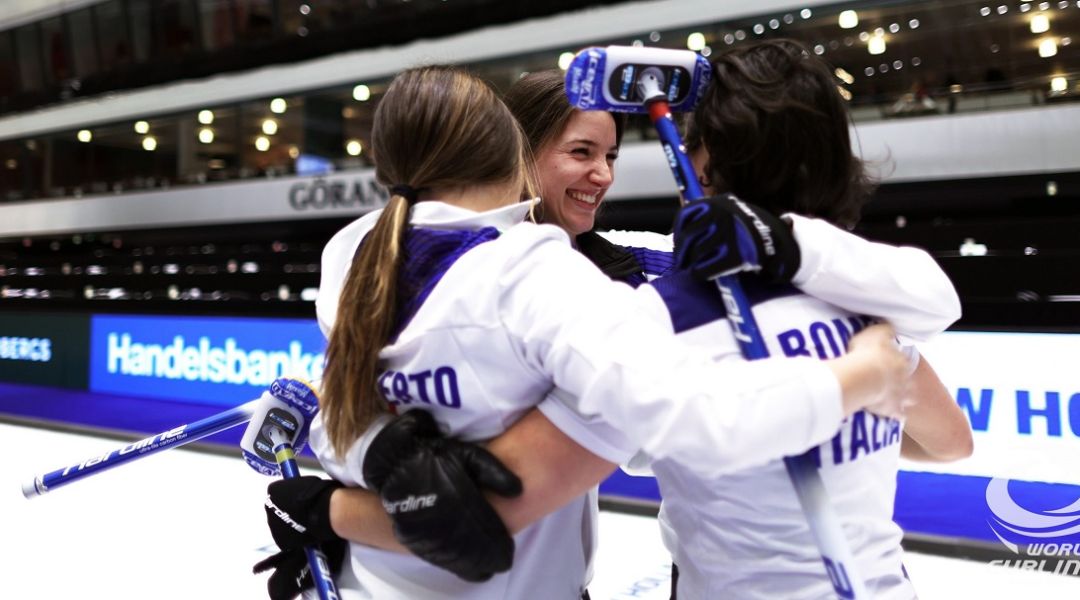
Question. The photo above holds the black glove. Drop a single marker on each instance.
(722, 235)
(432, 488)
(298, 513)
(292, 574)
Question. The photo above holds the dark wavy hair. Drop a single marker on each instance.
(776, 130)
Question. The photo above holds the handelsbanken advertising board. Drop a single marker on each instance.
(216, 360)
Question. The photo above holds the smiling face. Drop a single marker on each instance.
(576, 169)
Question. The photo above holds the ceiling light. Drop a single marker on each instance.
(142, 127)
(849, 19)
(1047, 48)
(206, 135)
(876, 45)
(149, 143)
(844, 76)
(269, 127)
(206, 117)
(914, 23)
(1059, 84)
(1040, 23)
(354, 148)
(806, 13)
(565, 59)
(361, 93)
(262, 143)
(278, 106)
(695, 41)
(84, 135)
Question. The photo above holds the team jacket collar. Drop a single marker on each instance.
(440, 215)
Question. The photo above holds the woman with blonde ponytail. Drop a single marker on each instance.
(449, 303)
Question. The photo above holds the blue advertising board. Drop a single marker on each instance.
(210, 360)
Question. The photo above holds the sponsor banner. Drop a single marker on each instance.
(1021, 393)
(45, 349)
(1036, 525)
(211, 360)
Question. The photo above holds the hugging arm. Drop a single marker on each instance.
(902, 285)
(455, 504)
(936, 429)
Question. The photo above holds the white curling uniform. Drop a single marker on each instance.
(516, 316)
(902, 285)
(744, 535)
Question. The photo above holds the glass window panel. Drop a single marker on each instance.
(30, 164)
(9, 69)
(54, 49)
(270, 142)
(11, 178)
(129, 161)
(255, 21)
(140, 28)
(175, 29)
(83, 42)
(216, 20)
(29, 56)
(112, 31)
(209, 152)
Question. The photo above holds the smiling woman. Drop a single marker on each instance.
(575, 155)
(576, 169)
(575, 151)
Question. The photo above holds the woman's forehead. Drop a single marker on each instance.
(596, 127)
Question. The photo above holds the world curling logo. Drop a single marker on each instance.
(1045, 540)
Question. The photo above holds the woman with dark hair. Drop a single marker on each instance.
(772, 127)
(446, 302)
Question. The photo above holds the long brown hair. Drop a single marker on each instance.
(436, 127)
(776, 130)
